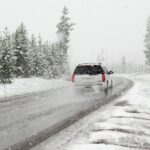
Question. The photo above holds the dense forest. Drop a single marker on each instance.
(24, 56)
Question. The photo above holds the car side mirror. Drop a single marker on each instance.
(110, 72)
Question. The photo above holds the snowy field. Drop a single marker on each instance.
(29, 85)
(121, 125)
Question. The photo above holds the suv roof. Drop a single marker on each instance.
(84, 64)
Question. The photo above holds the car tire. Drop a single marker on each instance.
(111, 84)
(107, 84)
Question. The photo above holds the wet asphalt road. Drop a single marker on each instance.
(27, 120)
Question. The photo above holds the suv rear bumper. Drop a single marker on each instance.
(103, 84)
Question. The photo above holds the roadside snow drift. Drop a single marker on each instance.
(128, 124)
(29, 85)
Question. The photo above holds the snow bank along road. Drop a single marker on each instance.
(26, 121)
(123, 124)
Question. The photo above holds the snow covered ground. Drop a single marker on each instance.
(121, 125)
(29, 85)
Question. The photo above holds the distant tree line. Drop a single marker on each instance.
(130, 67)
(147, 43)
(21, 56)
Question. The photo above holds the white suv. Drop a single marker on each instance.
(91, 74)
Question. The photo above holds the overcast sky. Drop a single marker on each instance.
(116, 26)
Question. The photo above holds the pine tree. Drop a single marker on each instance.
(63, 32)
(147, 43)
(57, 65)
(20, 50)
(33, 56)
(5, 58)
(51, 60)
(40, 58)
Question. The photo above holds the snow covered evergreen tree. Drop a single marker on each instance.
(147, 43)
(63, 32)
(20, 50)
(5, 58)
(48, 60)
(40, 60)
(33, 56)
(57, 65)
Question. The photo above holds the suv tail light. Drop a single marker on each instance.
(73, 77)
(103, 77)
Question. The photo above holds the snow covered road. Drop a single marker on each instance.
(123, 124)
(26, 121)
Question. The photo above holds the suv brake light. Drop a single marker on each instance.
(103, 77)
(73, 77)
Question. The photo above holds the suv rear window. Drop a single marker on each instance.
(89, 69)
